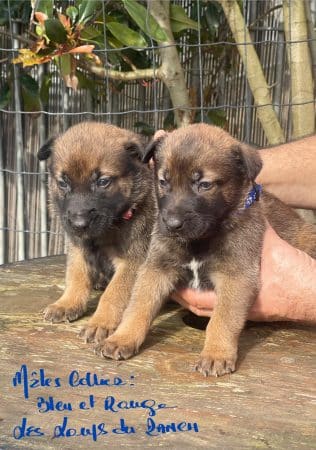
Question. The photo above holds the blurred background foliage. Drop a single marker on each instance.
(78, 36)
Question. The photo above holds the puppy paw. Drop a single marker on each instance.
(102, 324)
(117, 347)
(96, 333)
(216, 364)
(57, 313)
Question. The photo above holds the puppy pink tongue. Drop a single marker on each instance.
(128, 214)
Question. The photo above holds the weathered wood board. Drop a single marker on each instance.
(270, 402)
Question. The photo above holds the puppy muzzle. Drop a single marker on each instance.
(79, 221)
(173, 222)
(187, 226)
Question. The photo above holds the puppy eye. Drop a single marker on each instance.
(205, 185)
(62, 184)
(162, 182)
(104, 182)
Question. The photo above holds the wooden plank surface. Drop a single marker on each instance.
(270, 402)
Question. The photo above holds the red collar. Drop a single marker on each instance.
(129, 214)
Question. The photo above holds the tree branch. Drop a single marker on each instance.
(171, 69)
(137, 74)
(256, 79)
(302, 92)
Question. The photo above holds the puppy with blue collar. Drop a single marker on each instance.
(209, 234)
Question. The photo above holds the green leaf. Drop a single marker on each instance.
(126, 35)
(30, 93)
(29, 83)
(46, 7)
(213, 16)
(179, 19)
(177, 27)
(114, 58)
(86, 83)
(14, 9)
(55, 31)
(39, 30)
(139, 59)
(64, 64)
(87, 9)
(25, 12)
(4, 16)
(89, 33)
(44, 90)
(114, 43)
(145, 21)
(94, 34)
(217, 117)
(144, 128)
(5, 95)
(72, 12)
(169, 122)
(4, 13)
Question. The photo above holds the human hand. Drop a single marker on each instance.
(288, 291)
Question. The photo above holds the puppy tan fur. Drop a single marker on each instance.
(205, 236)
(104, 196)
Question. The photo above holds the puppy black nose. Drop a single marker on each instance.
(173, 222)
(79, 221)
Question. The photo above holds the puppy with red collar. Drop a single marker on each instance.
(104, 196)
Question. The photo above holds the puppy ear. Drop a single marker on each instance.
(248, 161)
(46, 150)
(154, 145)
(135, 150)
(152, 149)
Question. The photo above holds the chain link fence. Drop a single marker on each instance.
(219, 93)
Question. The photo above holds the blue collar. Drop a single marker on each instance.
(253, 195)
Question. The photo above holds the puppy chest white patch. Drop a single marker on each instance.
(194, 266)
